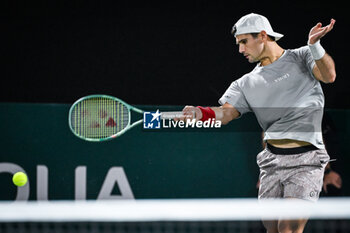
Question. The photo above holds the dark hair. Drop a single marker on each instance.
(255, 35)
(234, 29)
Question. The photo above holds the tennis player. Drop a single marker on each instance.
(284, 92)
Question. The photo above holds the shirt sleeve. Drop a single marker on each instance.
(305, 54)
(235, 96)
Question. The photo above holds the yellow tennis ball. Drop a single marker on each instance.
(19, 178)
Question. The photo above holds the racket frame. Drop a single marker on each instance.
(129, 126)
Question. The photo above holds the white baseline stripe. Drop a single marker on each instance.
(173, 210)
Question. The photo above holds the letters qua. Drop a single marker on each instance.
(115, 176)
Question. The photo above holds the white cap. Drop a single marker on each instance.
(254, 23)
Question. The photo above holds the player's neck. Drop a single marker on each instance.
(271, 54)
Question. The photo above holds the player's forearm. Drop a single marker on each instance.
(225, 114)
(326, 67)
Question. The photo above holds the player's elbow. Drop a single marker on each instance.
(331, 77)
(328, 77)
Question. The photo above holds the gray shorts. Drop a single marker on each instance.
(292, 175)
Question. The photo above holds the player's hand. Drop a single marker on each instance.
(190, 112)
(332, 178)
(317, 32)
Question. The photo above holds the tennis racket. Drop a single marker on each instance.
(102, 117)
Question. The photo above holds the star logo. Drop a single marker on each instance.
(151, 120)
(156, 115)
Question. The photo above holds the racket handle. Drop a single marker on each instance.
(172, 115)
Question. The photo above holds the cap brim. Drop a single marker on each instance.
(276, 35)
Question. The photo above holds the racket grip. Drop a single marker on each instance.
(172, 115)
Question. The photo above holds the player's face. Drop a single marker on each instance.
(250, 47)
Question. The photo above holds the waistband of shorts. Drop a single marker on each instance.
(290, 151)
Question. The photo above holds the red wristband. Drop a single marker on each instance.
(207, 113)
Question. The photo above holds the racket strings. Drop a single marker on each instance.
(99, 118)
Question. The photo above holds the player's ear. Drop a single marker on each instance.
(263, 36)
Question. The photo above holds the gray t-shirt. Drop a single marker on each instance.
(285, 96)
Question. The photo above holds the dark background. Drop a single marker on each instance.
(170, 53)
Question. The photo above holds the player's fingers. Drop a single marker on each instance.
(320, 31)
(324, 30)
(325, 187)
(185, 112)
(338, 182)
(188, 114)
(187, 117)
(331, 25)
(192, 112)
(313, 29)
(180, 117)
(188, 111)
(318, 25)
(186, 108)
(317, 35)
